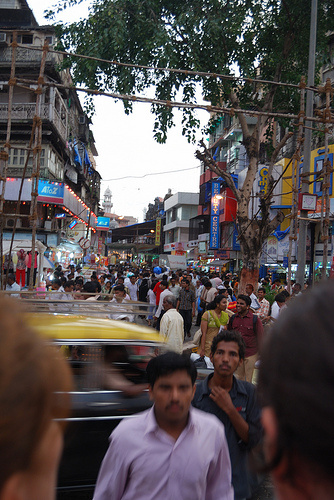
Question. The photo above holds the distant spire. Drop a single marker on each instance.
(107, 205)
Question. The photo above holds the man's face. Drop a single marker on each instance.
(242, 307)
(173, 281)
(119, 295)
(172, 395)
(249, 290)
(133, 279)
(10, 281)
(226, 359)
(69, 289)
(261, 294)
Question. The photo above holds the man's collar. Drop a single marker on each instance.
(245, 315)
(152, 424)
(236, 387)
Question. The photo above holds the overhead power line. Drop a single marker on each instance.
(147, 175)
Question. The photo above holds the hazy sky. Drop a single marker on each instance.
(126, 146)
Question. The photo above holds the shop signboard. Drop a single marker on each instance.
(214, 218)
(202, 247)
(272, 250)
(72, 224)
(103, 223)
(50, 192)
(177, 262)
(157, 232)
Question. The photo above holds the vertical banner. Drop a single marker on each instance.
(214, 218)
(272, 250)
(157, 232)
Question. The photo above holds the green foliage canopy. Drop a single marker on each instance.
(252, 38)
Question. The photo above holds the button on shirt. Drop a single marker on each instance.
(243, 398)
(143, 462)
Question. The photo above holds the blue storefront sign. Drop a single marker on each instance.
(50, 192)
(214, 218)
(103, 223)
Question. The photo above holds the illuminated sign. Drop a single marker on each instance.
(51, 192)
(60, 216)
(73, 224)
(103, 223)
(157, 232)
(214, 219)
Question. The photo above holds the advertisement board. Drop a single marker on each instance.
(214, 218)
(50, 192)
(177, 262)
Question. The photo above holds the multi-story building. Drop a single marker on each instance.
(69, 185)
(179, 209)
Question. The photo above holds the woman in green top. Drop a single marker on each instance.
(212, 320)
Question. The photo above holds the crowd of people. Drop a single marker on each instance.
(196, 440)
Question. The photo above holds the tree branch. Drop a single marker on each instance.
(209, 162)
(278, 148)
(273, 224)
(244, 127)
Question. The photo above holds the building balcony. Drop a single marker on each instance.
(27, 57)
(25, 112)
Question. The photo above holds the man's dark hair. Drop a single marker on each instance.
(261, 289)
(69, 283)
(168, 363)
(119, 288)
(56, 281)
(208, 284)
(90, 287)
(11, 276)
(280, 297)
(78, 280)
(186, 282)
(245, 298)
(296, 375)
(229, 336)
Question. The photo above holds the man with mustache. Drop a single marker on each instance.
(233, 402)
(170, 451)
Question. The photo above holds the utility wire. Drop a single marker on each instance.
(147, 175)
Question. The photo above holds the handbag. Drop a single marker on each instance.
(197, 337)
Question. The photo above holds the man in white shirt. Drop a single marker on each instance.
(123, 310)
(12, 286)
(174, 288)
(171, 451)
(171, 325)
(255, 303)
(133, 288)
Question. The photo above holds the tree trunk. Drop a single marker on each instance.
(250, 267)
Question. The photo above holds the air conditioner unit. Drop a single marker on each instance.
(82, 119)
(3, 38)
(51, 225)
(10, 223)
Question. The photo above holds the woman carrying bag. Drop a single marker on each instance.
(213, 320)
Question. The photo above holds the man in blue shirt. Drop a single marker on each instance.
(233, 401)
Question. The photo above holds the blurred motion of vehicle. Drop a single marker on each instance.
(96, 410)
